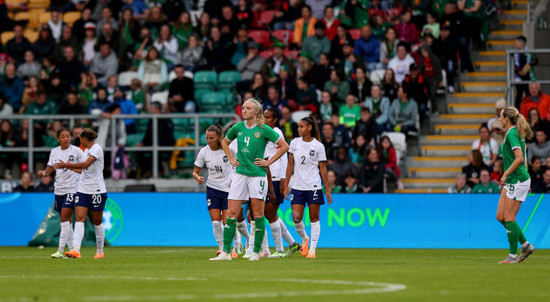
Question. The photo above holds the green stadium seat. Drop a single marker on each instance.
(134, 139)
(213, 102)
(228, 79)
(205, 80)
(199, 93)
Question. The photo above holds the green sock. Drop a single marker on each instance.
(260, 232)
(513, 236)
(228, 234)
(502, 222)
(522, 238)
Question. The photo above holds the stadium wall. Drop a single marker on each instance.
(352, 221)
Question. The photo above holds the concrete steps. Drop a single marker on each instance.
(495, 86)
(500, 44)
(451, 129)
(469, 108)
(484, 76)
(446, 150)
(433, 140)
(428, 183)
(430, 172)
(437, 161)
(490, 66)
(454, 118)
(515, 14)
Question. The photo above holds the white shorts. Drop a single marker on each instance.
(244, 187)
(518, 191)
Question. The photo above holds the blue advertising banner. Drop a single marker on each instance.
(351, 221)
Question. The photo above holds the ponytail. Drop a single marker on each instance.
(518, 120)
(314, 127)
(218, 130)
(89, 134)
(260, 121)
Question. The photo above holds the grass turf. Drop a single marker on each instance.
(173, 274)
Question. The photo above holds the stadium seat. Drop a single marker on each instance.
(266, 54)
(267, 16)
(298, 115)
(376, 76)
(392, 14)
(199, 93)
(291, 54)
(44, 18)
(32, 4)
(355, 33)
(261, 37)
(71, 17)
(134, 139)
(34, 15)
(6, 36)
(376, 11)
(205, 80)
(125, 78)
(22, 16)
(399, 142)
(229, 102)
(161, 97)
(228, 79)
(31, 35)
(15, 4)
(284, 36)
(213, 102)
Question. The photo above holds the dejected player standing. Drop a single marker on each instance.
(307, 160)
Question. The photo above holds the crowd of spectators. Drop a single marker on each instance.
(325, 65)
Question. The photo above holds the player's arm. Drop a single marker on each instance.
(227, 151)
(272, 196)
(46, 172)
(196, 175)
(79, 171)
(323, 169)
(82, 165)
(518, 161)
(283, 148)
(289, 171)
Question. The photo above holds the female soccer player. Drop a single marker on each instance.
(278, 170)
(219, 177)
(306, 159)
(249, 179)
(516, 181)
(65, 185)
(91, 193)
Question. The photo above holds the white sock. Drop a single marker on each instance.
(513, 255)
(285, 233)
(78, 235)
(64, 236)
(243, 229)
(276, 232)
(265, 245)
(100, 237)
(218, 233)
(525, 244)
(315, 232)
(237, 238)
(301, 229)
(251, 238)
(70, 235)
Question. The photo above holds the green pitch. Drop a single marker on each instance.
(185, 274)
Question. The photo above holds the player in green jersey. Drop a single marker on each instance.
(249, 180)
(516, 181)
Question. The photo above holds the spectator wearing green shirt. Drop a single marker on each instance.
(476, 21)
(403, 113)
(460, 186)
(485, 185)
(338, 88)
(351, 112)
(42, 105)
(318, 43)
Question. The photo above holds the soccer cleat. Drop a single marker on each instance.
(72, 254)
(265, 253)
(254, 257)
(277, 255)
(99, 256)
(234, 255)
(310, 255)
(304, 249)
(222, 256)
(509, 260)
(218, 252)
(293, 249)
(58, 255)
(239, 247)
(247, 255)
(525, 252)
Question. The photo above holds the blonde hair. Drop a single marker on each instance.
(260, 120)
(518, 120)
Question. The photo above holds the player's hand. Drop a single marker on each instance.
(503, 179)
(282, 186)
(329, 198)
(41, 173)
(285, 193)
(272, 196)
(260, 162)
(234, 163)
(61, 165)
(199, 179)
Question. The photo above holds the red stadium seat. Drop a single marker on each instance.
(291, 54)
(355, 33)
(376, 11)
(393, 14)
(267, 16)
(266, 54)
(261, 37)
(285, 36)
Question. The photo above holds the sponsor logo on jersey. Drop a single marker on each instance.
(257, 134)
(239, 133)
(311, 152)
(113, 220)
(225, 159)
(245, 150)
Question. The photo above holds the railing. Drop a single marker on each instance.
(510, 73)
(155, 148)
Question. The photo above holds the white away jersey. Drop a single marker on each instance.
(278, 168)
(66, 180)
(219, 168)
(91, 179)
(307, 156)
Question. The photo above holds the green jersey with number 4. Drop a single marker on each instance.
(512, 141)
(251, 145)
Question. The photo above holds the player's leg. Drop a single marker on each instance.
(98, 205)
(271, 214)
(242, 226)
(511, 208)
(217, 228)
(252, 234)
(58, 206)
(314, 210)
(298, 203)
(500, 208)
(259, 225)
(80, 218)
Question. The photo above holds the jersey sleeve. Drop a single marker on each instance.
(232, 133)
(51, 159)
(513, 141)
(292, 148)
(271, 135)
(284, 164)
(96, 151)
(321, 153)
(199, 162)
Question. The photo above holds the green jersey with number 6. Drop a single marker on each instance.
(512, 141)
(251, 145)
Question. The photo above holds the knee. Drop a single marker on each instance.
(232, 213)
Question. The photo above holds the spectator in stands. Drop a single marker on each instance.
(494, 125)
(44, 45)
(389, 84)
(350, 61)
(55, 88)
(181, 93)
(88, 44)
(5, 108)
(317, 43)
(86, 88)
(80, 24)
(535, 98)
(544, 185)
(341, 133)
(337, 86)
(116, 42)
(29, 93)
(129, 27)
(105, 63)
(445, 49)
(172, 10)
(167, 45)
(536, 123)
(71, 68)
(536, 170)
(457, 24)
(322, 71)
(474, 167)
(365, 127)
(329, 141)
(214, 9)
(430, 68)
(406, 30)
(240, 42)
(486, 145)
(42, 105)
(401, 62)
(286, 84)
(330, 21)
(541, 147)
(336, 47)
(23, 136)
(228, 19)
(244, 14)
(71, 105)
(379, 106)
(67, 39)
(306, 97)
(523, 68)
(460, 185)
(165, 135)
(475, 17)
(318, 7)
(326, 108)
(342, 165)
(305, 68)
(106, 18)
(368, 47)
(379, 27)
(138, 8)
(101, 103)
(50, 137)
(372, 173)
(432, 26)
(258, 87)
(289, 11)
(272, 66)
(155, 19)
(137, 95)
(217, 51)
(16, 47)
(126, 107)
(252, 64)
(417, 88)
(332, 179)
(388, 47)
(203, 28)
(350, 113)
(498, 171)
(12, 87)
(274, 99)
(30, 67)
(287, 125)
(403, 113)
(26, 184)
(388, 156)
(55, 24)
(192, 56)
(7, 135)
(183, 29)
(358, 150)
(305, 26)
(350, 184)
